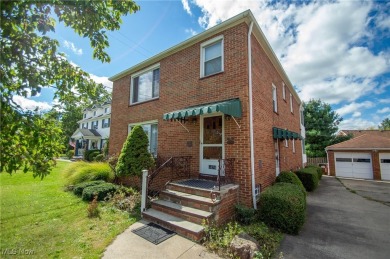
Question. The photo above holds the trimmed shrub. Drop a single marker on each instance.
(70, 154)
(100, 191)
(317, 169)
(99, 158)
(309, 178)
(283, 206)
(245, 215)
(79, 172)
(90, 154)
(78, 188)
(290, 177)
(135, 156)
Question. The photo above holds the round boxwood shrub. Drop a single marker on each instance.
(283, 206)
(290, 177)
(92, 155)
(309, 178)
(99, 158)
(317, 169)
(100, 190)
(79, 188)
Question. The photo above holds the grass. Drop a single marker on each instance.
(39, 218)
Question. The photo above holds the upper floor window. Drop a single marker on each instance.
(274, 98)
(291, 103)
(94, 124)
(106, 123)
(211, 60)
(284, 91)
(94, 113)
(85, 115)
(145, 85)
(106, 110)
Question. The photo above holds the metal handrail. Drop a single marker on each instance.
(227, 167)
(155, 172)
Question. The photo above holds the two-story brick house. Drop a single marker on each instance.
(220, 97)
(94, 128)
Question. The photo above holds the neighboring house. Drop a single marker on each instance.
(357, 133)
(94, 128)
(365, 156)
(220, 97)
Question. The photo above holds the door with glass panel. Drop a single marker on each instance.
(211, 144)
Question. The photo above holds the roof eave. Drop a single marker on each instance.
(360, 148)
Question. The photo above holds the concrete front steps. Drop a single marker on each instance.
(183, 209)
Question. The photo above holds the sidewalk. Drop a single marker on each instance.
(130, 245)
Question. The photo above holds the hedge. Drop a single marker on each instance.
(78, 188)
(283, 206)
(89, 155)
(309, 178)
(290, 177)
(318, 170)
(101, 191)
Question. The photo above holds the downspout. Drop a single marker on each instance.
(251, 115)
(327, 164)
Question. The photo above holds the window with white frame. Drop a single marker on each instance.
(106, 110)
(145, 85)
(151, 130)
(293, 145)
(106, 123)
(274, 98)
(284, 91)
(211, 60)
(85, 115)
(286, 142)
(291, 104)
(94, 124)
(94, 113)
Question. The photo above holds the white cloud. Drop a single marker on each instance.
(70, 45)
(186, 6)
(28, 104)
(353, 107)
(356, 114)
(356, 123)
(384, 100)
(384, 110)
(103, 80)
(190, 31)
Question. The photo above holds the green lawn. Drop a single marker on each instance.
(38, 217)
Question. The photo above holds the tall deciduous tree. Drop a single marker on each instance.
(30, 61)
(385, 124)
(134, 156)
(321, 125)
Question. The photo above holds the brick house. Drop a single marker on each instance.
(365, 156)
(221, 98)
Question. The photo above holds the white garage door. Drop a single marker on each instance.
(384, 160)
(354, 165)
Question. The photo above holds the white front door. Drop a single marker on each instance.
(211, 143)
(277, 157)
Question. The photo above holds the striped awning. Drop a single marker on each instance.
(229, 107)
(285, 134)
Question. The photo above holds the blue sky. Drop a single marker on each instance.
(338, 51)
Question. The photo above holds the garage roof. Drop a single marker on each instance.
(366, 141)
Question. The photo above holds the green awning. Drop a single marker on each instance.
(229, 107)
(284, 134)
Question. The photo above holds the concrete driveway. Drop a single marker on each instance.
(342, 224)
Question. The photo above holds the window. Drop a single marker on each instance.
(145, 85)
(284, 91)
(274, 98)
(151, 130)
(211, 60)
(105, 110)
(85, 115)
(291, 103)
(94, 124)
(94, 113)
(340, 159)
(106, 123)
(302, 117)
(303, 146)
(286, 142)
(293, 145)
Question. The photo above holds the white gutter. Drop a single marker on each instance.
(251, 115)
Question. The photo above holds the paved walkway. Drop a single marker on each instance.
(130, 245)
(342, 224)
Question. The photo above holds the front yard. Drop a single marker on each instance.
(38, 218)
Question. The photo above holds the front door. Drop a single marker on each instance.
(277, 156)
(211, 143)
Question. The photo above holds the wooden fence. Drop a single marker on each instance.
(316, 160)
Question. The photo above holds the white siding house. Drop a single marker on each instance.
(94, 128)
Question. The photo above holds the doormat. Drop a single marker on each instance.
(199, 183)
(153, 233)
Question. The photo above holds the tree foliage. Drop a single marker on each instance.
(385, 124)
(134, 156)
(321, 125)
(30, 61)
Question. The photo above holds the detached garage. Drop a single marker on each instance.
(363, 157)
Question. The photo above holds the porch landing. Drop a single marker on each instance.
(185, 204)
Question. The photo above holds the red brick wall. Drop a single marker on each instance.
(181, 86)
(264, 75)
